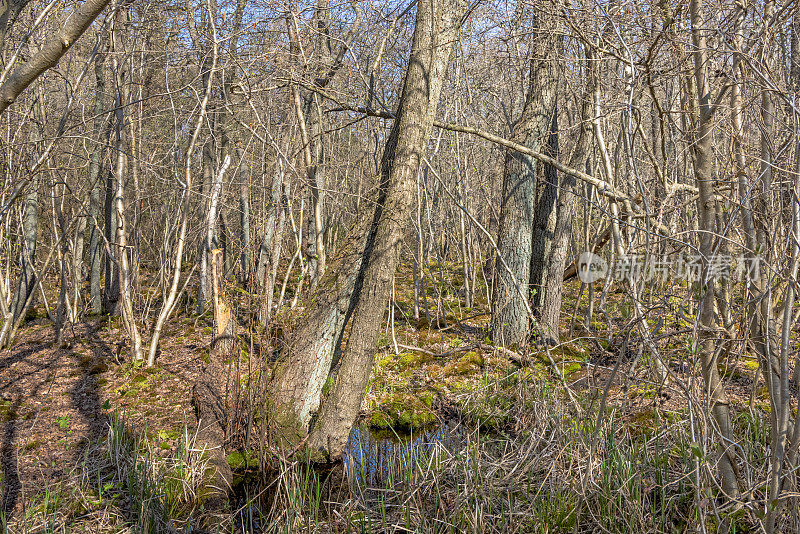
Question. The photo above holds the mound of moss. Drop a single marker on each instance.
(404, 412)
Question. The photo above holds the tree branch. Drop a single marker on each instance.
(55, 47)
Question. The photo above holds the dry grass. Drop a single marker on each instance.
(531, 457)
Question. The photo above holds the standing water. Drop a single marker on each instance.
(373, 463)
(380, 459)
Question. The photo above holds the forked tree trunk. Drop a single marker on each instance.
(435, 32)
(302, 371)
(510, 321)
(308, 109)
(552, 288)
(122, 253)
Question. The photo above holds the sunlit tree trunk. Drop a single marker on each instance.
(223, 342)
(121, 250)
(435, 32)
(27, 277)
(95, 179)
(706, 206)
(552, 289)
(244, 219)
(521, 205)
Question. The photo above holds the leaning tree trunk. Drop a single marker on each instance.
(56, 45)
(301, 373)
(435, 32)
(510, 321)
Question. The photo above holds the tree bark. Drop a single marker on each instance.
(95, 247)
(244, 220)
(552, 289)
(545, 217)
(223, 342)
(27, 277)
(48, 55)
(301, 373)
(706, 206)
(122, 251)
(436, 29)
(111, 280)
(270, 250)
(206, 243)
(518, 208)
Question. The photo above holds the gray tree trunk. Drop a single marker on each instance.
(95, 246)
(519, 206)
(265, 249)
(706, 207)
(435, 32)
(552, 288)
(301, 373)
(27, 276)
(545, 217)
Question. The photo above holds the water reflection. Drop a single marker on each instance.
(383, 459)
(374, 462)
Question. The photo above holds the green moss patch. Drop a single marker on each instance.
(245, 459)
(469, 363)
(404, 412)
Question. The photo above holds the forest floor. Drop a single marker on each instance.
(57, 405)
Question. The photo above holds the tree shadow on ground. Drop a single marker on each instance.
(10, 477)
(11, 483)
